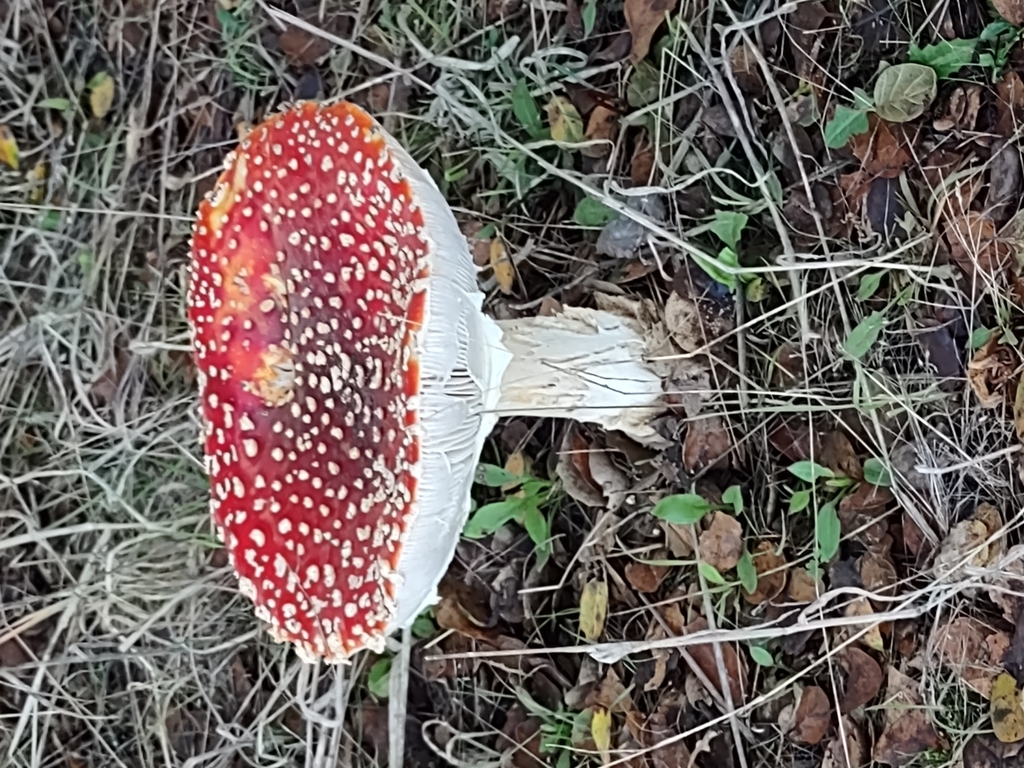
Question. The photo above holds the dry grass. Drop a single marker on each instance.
(122, 640)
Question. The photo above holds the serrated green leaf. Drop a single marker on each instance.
(378, 678)
(904, 91)
(875, 472)
(946, 56)
(729, 226)
(490, 517)
(591, 212)
(746, 572)
(709, 572)
(810, 471)
(868, 285)
(733, 496)
(844, 125)
(864, 336)
(761, 656)
(827, 532)
(682, 508)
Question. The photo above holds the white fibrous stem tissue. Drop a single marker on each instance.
(583, 364)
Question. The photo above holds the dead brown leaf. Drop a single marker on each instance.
(847, 749)
(863, 679)
(991, 372)
(641, 165)
(703, 655)
(302, 47)
(877, 571)
(643, 17)
(872, 638)
(1011, 10)
(771, 574)
(973, 244)
(812, 717)
(706, 442)
(721, 544)
(961, 112)
(743, 61)
(908, 727)
(803, 588)
(862, 513)
(972, 650)
(986, 751)
(1009, 104)
(883, 150)
(968, 542)
(1008, 583)
(645, 577)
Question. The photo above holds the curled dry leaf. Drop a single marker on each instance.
(884, 149)
(771, 574)
(1009, 104)
(602, 126)
(877, 571)
(872, 638)
(847, 749)
(573, 469)
(501, 265)
(991, 372)
(804, 588)
(863, 679)
(721, 544)
(812, 717)
(970, 542)
(862, 513)
(706, 442)
(972, 650)
(908, 727)
(643, 17)
(1007, 583)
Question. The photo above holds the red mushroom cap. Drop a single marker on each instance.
(306, 300)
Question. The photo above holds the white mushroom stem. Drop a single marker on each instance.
(582, 364)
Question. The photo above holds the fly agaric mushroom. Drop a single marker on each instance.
(348, 377)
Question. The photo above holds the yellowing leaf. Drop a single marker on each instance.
(1005, 709)
(37, 177)
(101, 95)
(601, 730)
(9, 155)
(504, 272)
(873, 637)
(593, 609)
(564, 118)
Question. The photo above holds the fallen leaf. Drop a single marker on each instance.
(973, 244)
(986, 751)
(883, 150)
(593, 609)
(863, 679)
(804, 25)
(602, 126)
(721, 544)
(771, 574)
(601, 731)
(706, 442)
(643, 17)
(1005, 584)
(862, 513)
(645, 577)
(873, 637)
(501, 265)
(846, 750)
(803, 588)
(877, 572)
(812, 717)
(101, 95)
(1011, 10)
(703, 655)
(9, 154)
(564, 120)
(743, 61)
(1005, 709)
(611, 694)
(991, 371)
(908, 727)
(968, 542)
(1009, 103)
(301, 47)
(641, 164)
(972, 650)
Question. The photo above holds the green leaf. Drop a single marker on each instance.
(61, 105)
(827, 532)
(709, 572)
(644, 85)
(536, 525)
(378, 678)
(945, 56)
(526, 111)
(746, 572)
(494, 476)
(800, 500)
(682, 508)
(728, 257)
(876, 473)
(868, 285)
(862, 99)
(423, 626)
(490, 517)
(729, 225)
(844, 125)
(591, 212)
(733, 496)
(589, 17)
(904, 91)
(980, 336)
(864, 336)
(761, 656)
(810, 471)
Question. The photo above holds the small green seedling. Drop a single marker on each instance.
(526, 496)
